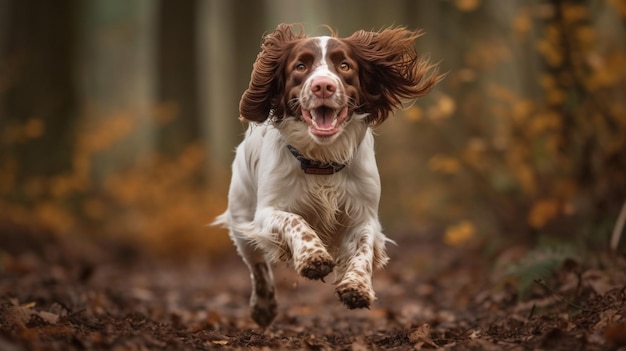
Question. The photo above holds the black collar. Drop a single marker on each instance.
(315, 167)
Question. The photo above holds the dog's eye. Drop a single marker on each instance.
(344, 66)
(300, 67)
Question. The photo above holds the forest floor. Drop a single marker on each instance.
(66, 295)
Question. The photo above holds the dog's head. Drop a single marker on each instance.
(326, 82)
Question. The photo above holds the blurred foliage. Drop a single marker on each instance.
(525, 138)
(518, 159)
(540, 263)
(160, 203)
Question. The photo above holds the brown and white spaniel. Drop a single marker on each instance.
(305, 185)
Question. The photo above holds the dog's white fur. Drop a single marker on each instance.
(269, 192)
(320, 222)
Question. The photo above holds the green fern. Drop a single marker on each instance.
(539, 263)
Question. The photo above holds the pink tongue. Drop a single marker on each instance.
(324, 117)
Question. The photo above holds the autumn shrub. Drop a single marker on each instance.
(526, 137)
(161, 204)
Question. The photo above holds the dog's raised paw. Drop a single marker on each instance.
(354, 298)
(316, 268)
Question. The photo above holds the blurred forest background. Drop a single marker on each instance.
(118, 119)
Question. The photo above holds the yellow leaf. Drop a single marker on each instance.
(467, 5)
(414, 113)
(53, 216)
(620, 7)
(522, 109)
(551, 53)
(460, 233)
(542, 212)
(444, 164)
(575, 13)
(522, 24)
(555, 96)
(545, 121)
(444, 108)
(502, 93)
(33, 128)
(474, 153)
(585, 35)
(94, 208)
(446, 105)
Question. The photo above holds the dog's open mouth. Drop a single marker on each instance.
(324, 121)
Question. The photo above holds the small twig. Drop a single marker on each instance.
(561, 297)
(619, 226)
(532, 312)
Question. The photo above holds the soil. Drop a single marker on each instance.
(64, 294)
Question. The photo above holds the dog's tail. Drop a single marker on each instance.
(221, 220)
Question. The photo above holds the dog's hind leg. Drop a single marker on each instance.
(263, 304)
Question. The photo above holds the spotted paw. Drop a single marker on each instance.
(264, 314)
(354, 298)
(316, 267)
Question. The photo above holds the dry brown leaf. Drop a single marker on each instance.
(599, 281)
(422, 334)
(475, 334)
(359, 345)
(213, 319)
(49, 317)
(606, 318)
(616, 335)
(28, 305)
(141, 294)
(19, 314)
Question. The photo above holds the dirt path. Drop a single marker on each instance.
(62, 296)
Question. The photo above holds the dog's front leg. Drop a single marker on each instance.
(283, 235)
(361, 249)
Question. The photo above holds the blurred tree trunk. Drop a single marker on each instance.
(217, 107)
(377, 14)
(37, 91)
(229, 35)
(309, 13)
(5, 26)
(177, 112)
(117, 81)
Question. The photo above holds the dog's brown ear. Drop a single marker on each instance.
(390, 70)
(267, 81)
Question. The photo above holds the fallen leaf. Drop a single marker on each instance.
(475, 334)
(599, 281)
(616, 335)
(49, 317)
(28, 305)
(19, 314)
(422, 334)
(359, 345)
(141, 294)
(606, 318)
